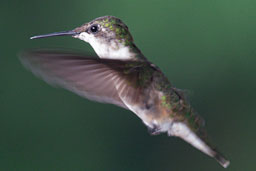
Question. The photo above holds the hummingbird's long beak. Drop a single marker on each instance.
(62, 33)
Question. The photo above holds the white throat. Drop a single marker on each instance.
(110, 50)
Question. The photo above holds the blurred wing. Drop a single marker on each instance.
(94, 78)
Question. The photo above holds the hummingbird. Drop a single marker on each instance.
(123, 76)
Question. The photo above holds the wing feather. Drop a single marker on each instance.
(102, 80)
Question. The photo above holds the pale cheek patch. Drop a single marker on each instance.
(85, 37)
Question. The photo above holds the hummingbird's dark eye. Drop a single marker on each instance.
(94, 28)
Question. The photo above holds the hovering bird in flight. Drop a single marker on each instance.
(123, 76)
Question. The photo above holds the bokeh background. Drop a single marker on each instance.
(206, 47)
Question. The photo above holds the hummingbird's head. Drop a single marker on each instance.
(108, 35)
(104, 30)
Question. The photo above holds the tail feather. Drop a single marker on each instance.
(221, 160)
(181, 130)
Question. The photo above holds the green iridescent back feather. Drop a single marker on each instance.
(172, 99)
(175, 102)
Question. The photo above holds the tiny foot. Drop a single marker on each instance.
(154, 131)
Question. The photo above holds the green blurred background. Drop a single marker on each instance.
(204, 46)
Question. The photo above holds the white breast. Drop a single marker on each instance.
(112, 50)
